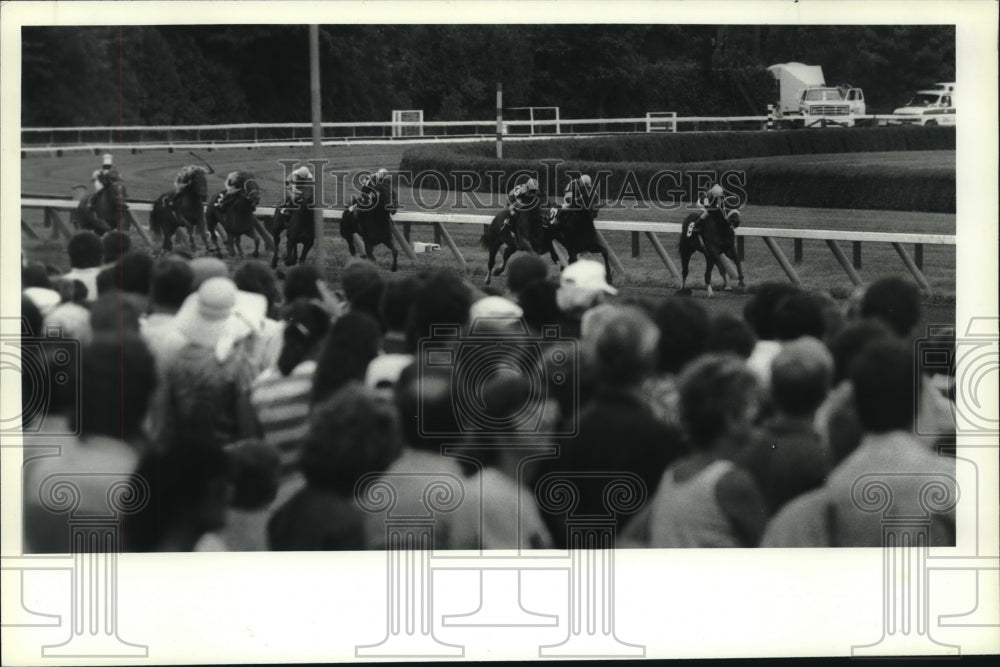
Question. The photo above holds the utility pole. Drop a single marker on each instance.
(317, 136)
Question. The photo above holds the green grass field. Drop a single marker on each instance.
(148, 174)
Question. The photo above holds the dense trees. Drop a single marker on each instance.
(216, 74)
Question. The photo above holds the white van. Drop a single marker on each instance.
(934, 106)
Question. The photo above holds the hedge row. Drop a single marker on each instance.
(704, 146)
(769, 182)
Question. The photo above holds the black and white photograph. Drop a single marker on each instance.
(365, 331)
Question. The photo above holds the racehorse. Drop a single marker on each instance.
(298, 223)
(237, 217)
(182, 207)
(575, 231)
(525, 232)
(374, 226)
(103, 210)
(718, 237)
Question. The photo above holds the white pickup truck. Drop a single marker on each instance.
(933, 106)
(804, 99)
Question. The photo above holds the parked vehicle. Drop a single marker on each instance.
(804, 99)
(933, 106)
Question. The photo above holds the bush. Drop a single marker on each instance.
(847, 184)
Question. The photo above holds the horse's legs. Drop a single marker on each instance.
(507, 252)
(277, 246)
(392, 248)
(494, 246)
(711, 261)
(607, 265)
(291, 252)
(686, 253)
(306, 246)
(256, 245)
(731, 253)
(369, 249)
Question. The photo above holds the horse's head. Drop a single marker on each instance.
(199, 184)
(114, 188)
(734, 219)
(249, 187)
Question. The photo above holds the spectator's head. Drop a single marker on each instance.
(396, 299)
(621, 346)
(35, 274)
(136, 272)
(523, 271)
(203, 315)
(256, 277)
(847, 344)
(797, 315)
(759, 310)
(424, 403)
(116, 312)
(204, 268)
(350, 345)
(884, 386)
(73, 320)
(306, 325)
(359, 276)
(441, 298)
(728, 333)
(108, 280)
(171, 282)
(719, 397)
(353, 432)
(114, 245)
(117, 379)
(894, 301)
(582, 285)
(189, 490)
(538, 301)
(255, 473)
(800, 376)
(302, 281)
(684, 327)
(84, 249)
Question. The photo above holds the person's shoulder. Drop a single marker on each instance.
(799, 523)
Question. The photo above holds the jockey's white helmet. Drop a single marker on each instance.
(302, 174)
(585, 179)
(716, 191)
(106, 160)
(532, 184)
(381, 173)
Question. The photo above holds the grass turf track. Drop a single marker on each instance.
(148, 174)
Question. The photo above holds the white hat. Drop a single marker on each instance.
(717, 190)
(588, 274)
(386, 369)
(73, 320)
(302, 173)
(494, 306)
(202, 318)
(246, 319)
(44, 298)
(107, 160)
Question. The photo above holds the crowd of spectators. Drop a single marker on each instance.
(251, 411)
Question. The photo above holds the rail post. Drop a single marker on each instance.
(842, 260)
(918, 255)
(797, 251)
(741, 248)
(908, 262)
(856, 251)
(782, 260)
(770, 117)
(635, 244)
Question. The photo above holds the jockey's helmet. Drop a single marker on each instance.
(302, 174)
(106, 161)
(716, 191)
(531, 184)
(585, 179)
(381, 174)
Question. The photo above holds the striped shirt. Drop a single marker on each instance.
(282, 407)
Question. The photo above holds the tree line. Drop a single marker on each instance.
(168, 75)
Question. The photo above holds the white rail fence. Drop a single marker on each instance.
(250, 135)
(440, 222)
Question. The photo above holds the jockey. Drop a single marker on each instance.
(233, 187)
(100, 176)
(523, 195)
(713, 201)
(183, 177)
(299, 188)
(576, 196)
(374, 187)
